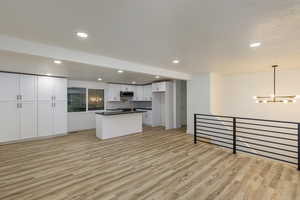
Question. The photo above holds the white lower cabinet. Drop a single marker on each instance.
(45, 118)
(52, 118)
(27, 113)
(60, 117)
(9, 121)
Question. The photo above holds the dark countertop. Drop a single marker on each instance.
(128, 109)
(144, 108)
(118, 112)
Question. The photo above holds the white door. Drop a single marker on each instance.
(45, 118)
(28, 87)
(9, 87)
(45, 88)
(27, 112)
(60, 89)
(60, 117)
(9, 126)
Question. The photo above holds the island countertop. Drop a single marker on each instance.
(118, 112)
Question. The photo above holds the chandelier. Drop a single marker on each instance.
(274, 98)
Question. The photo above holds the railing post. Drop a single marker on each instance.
(195, 129)
(298, 146)
(234, 135)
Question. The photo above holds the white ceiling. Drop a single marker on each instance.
(206, 35)
(15, 62)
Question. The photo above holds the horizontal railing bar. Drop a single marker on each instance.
(245, 118)
(267, 156)
(266, 120)
(214, 123)
(288, 145)
(282, 138)
(215, 144)
(215, 136)
(283, 127)
(219, 120)
(262, 145)
(264, 130)
(214, 132)
(279, 154)
(224, 129)
(215, 115)
(214, 140)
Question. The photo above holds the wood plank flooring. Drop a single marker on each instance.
(156, 164)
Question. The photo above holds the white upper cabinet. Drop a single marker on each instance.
(139, 93)
(148, 92)
(60, 89)
(127, 88)
(45, 88)
(27, 87)
(113, 92)
(52, 88)
(9, 87)
(159, 87)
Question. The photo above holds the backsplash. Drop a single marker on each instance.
(127, 104)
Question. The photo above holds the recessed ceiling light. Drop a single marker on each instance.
(120, 71)
(99, 79)
(57, 62)
(176, 61)
(82, 35)
(133, 82)
(157, 77)
(48, 74)
(256, 44)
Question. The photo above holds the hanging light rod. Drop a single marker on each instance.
(274, 98)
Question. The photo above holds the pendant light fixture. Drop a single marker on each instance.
(274, 98)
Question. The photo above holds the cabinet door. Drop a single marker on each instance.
(45, 118)
(28, 124)
(155, 87)
(149, 89)
(45, 88)
(116, 92)
(60, 117)
(9, 86)
(9, 121)
(60, 89)
(28, 87)
(162, 86)
(140, 93)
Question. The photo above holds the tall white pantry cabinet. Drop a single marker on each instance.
(25, 112)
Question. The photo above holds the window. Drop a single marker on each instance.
(76, 99)
(96, 99)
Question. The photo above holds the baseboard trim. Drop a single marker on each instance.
(33, 139)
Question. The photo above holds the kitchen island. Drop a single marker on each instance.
(118, 123)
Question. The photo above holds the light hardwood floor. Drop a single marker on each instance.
(156, 164)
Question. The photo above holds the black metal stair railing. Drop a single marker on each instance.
(278, 140)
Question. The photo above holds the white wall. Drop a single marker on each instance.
(236, 95)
